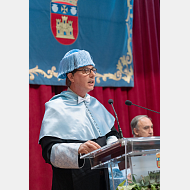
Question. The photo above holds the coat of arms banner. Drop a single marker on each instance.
(103, 28)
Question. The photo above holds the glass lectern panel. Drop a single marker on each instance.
(127, 156)
(116, 151)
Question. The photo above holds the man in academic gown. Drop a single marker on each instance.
(76, 123)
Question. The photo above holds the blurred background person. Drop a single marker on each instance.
(141, 126)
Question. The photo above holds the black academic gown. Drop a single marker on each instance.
(77, 179)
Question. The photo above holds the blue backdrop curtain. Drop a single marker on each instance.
(146, 90)
(103, 28)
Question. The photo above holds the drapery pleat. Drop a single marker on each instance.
(146, 90)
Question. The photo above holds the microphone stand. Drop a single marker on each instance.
(119, 128)
(145, 108)
(129, 103)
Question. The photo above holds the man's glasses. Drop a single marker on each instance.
(87, 70)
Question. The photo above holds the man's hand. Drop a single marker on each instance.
(87, 147)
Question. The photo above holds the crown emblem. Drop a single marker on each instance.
(73, 2)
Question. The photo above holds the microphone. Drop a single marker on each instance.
(110, 101)
(129, 103)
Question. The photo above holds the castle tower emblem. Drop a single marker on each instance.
(64, 21)
(64, 29)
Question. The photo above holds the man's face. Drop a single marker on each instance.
(83, 83)
(145, 128)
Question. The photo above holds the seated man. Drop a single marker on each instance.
(142, 126)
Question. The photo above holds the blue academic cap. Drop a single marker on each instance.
(72, 60)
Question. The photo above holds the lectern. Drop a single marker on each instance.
(136, 156)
